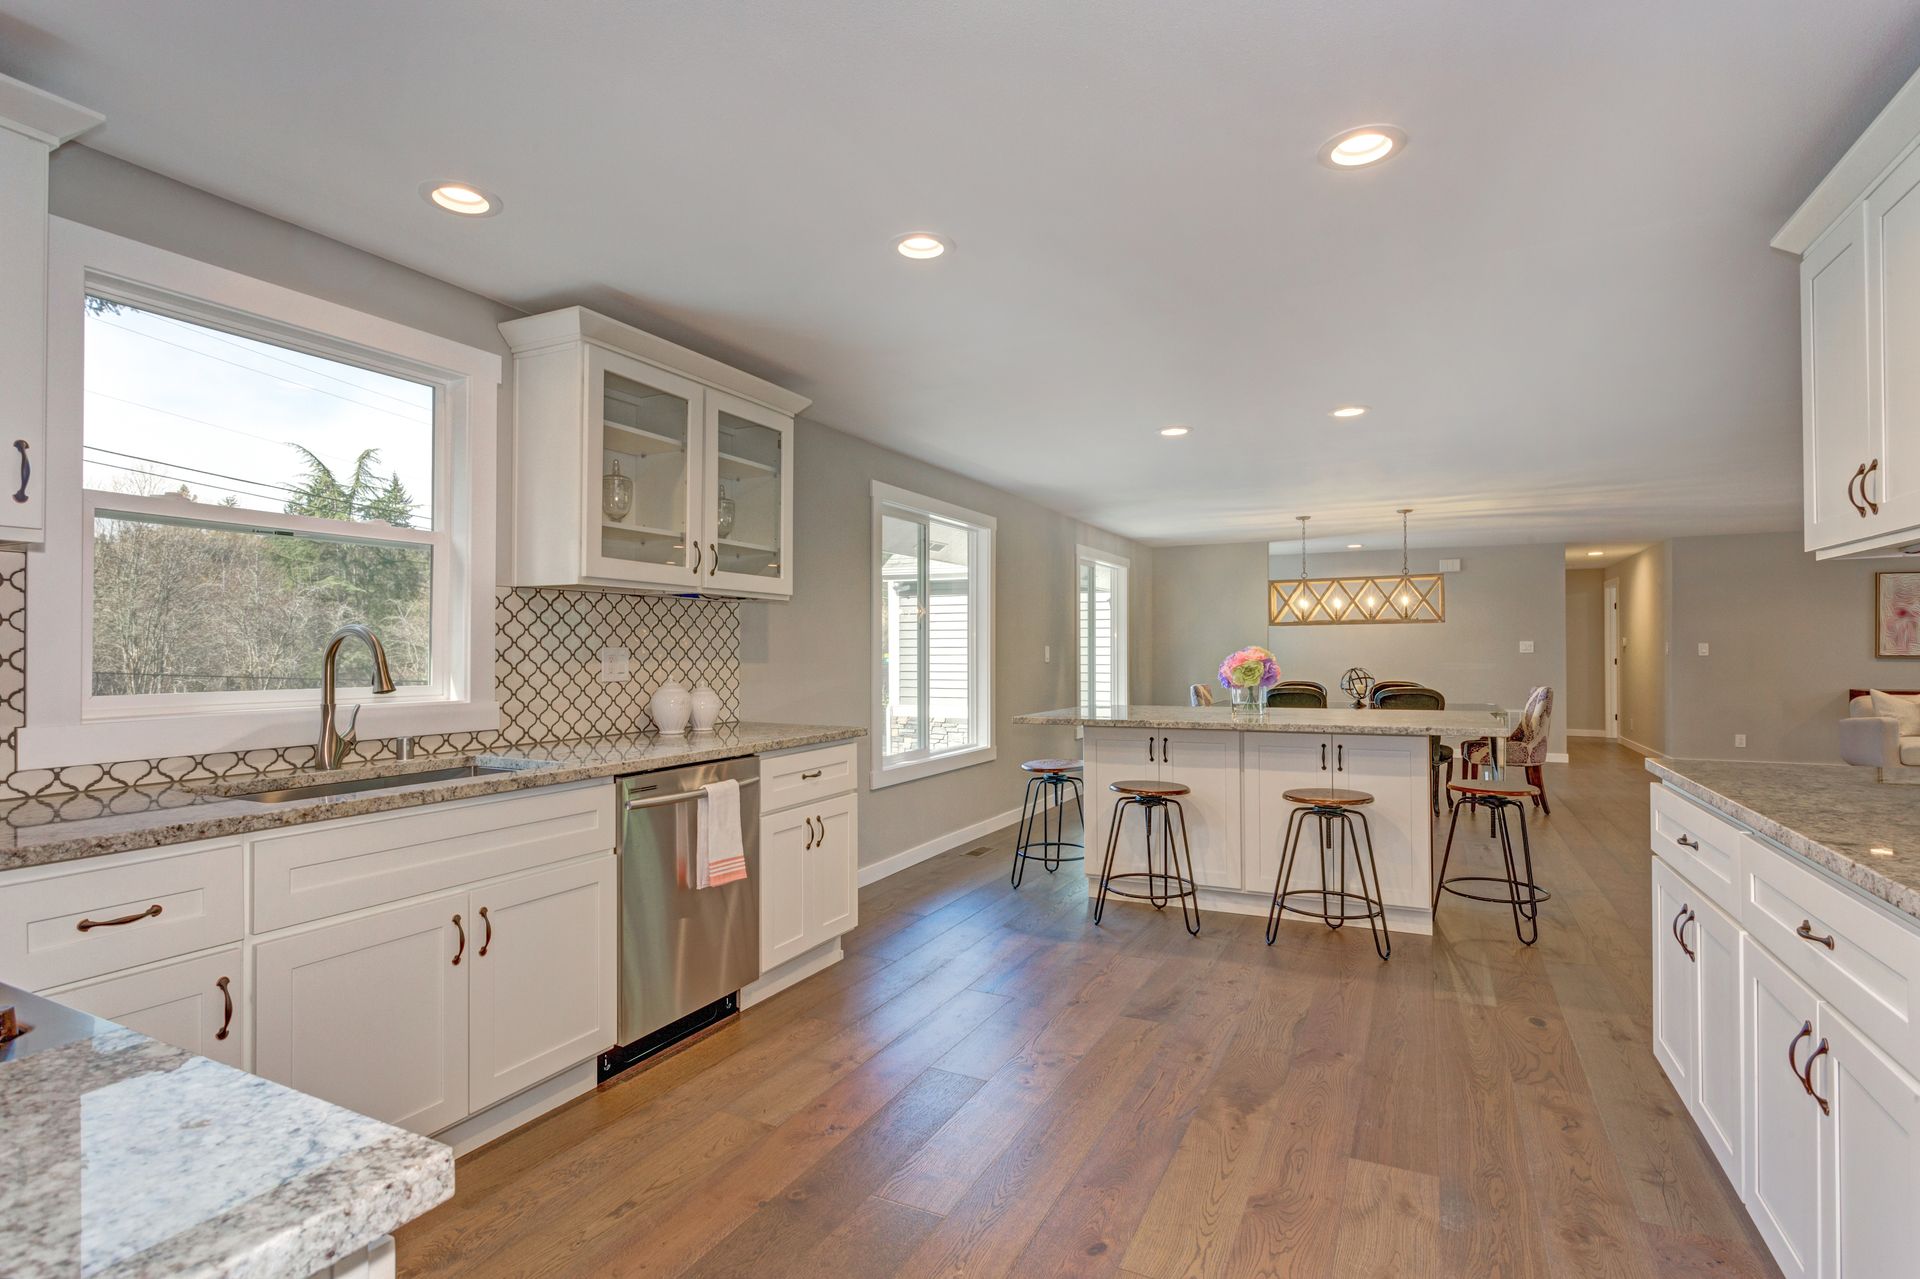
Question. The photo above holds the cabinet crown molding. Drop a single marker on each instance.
(42, 116)
(577, 323)
(1888, 138)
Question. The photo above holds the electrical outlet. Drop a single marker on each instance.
(615, 665)
(1739, 739)
(1049, 652)
(1526, 646)
(1703, 650)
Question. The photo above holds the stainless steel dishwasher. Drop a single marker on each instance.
(685, 952)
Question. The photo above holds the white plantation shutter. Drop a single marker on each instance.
(1101, 619)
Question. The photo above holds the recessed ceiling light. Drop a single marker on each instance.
(1348, 410)
(1594, 555)
(462, 198)
(1353, 546)
(1171, 431)
(920, 245)
(1357, 148)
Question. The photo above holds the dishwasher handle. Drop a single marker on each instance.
(682, 797)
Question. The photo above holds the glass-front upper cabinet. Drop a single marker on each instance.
(747, 487)
(639, 464)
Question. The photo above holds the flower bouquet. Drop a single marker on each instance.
(1247, 675)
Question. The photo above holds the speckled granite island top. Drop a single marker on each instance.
(124, 1156)
(1283, 719)
(1833, 815)
(67, 827)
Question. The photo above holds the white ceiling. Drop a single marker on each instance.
(1559, 300)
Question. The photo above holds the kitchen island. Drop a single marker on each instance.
(1239, 769)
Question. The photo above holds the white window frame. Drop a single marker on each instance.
(887, 498)
(1083, 556)
(68, 724)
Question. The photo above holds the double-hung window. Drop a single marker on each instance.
(1100, 624)
(235, 471)
(933, 636)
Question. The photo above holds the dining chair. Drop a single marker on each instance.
(1299, 694)
(1199, 695)
(1414, 698)
(1387, 686)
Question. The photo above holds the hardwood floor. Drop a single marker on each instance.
(989, 1085)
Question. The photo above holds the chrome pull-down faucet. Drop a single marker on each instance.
(334, 745)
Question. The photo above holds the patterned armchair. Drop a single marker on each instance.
(1526, 745)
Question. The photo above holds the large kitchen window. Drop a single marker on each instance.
(256, 467)
(933, 646)
(1100, 624)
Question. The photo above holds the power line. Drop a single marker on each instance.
(181, 466)
(265, 439)
(241, 345)
(134, 470)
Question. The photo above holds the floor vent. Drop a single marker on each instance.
(976, 852)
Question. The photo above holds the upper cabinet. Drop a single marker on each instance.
(1858, 240)
(643, 465)
(32, 124)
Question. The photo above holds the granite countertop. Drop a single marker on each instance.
(37, 832)
(1836, 816)
(127, 1157)
(1284, 719)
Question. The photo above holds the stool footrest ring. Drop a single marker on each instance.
(1372, 910)
(1513, 898)
(1173, 887)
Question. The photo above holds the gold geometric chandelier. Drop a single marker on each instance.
(1329, 601)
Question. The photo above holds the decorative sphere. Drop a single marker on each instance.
(1356, 683)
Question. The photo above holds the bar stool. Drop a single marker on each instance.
(1522, 895)
(1334, 810)
(1150, 798)
(1049, 781)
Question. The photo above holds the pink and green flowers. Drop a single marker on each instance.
(1251, 667)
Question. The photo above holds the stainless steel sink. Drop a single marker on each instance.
(357, 785)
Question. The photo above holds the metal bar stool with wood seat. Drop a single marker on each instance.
(1049, 783)
(1335, 810)
(1498, 796)
(1168, 882)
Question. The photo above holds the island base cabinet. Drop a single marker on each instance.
(1786, 1147)
(371, 1013)
(1395, 771)
(1206, 762)
(1873, 1154)
(195, 1004)
(1277, 763)
(544, 966)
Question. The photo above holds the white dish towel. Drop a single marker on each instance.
(720, 851)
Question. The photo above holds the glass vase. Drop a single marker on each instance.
(1249, 703)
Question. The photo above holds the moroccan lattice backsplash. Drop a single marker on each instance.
(546, 670)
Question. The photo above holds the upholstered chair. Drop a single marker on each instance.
(1526, 745)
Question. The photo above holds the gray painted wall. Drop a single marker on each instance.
(812, 659)
(1209, 601)
(1787, 635)
(1586, 699)
(1645, 603)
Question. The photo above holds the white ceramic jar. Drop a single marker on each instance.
(706, 709)
(671, 706)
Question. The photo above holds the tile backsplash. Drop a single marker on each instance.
(546, 669)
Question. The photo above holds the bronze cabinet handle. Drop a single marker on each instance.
(1323, 757)
(696, 548)
(1806, 1032)
(1166, 752)
(714, 567)
(1858, 475)
(809, 825)
(26, 471)
(86, 924)
(1674, 927)
(1682, 936)
(809, 776)
(1806, 1077)
(1684, 842)
(1340, 758)
(488, 921)
(1864, 477)
(463, 941)
(226, 1022)
(1150, 758)
(1805, 933)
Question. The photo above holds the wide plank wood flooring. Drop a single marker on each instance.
(990, 1085)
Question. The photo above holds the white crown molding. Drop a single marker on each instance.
(41, 116)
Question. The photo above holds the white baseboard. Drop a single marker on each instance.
(793, 972)
(1588, 732)
(1632, 745)
(873, 872)
(1558, 757)
(523, 1107)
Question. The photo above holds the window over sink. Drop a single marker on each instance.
(235, 470)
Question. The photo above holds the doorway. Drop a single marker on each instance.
(1610, 602)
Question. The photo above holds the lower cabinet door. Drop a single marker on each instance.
(1116, 755)
(544, 966)
(1873, 1155)
(1395, 771)
(1209, 763)
(1275, 764)
(1715, 1104)
(832, 888)
(1786, 1138)
(195, 1004)
(1676, 999)
(371, 1013)
(784, 841)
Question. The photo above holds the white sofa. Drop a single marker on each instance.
(1874, 741)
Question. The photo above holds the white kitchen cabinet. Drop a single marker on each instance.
(1891, 490)
(809, 887)
(1785, 1143)
(1395, 771)
(1872, 1155)
(32, 124)
(703, 455)
(1676, 993)
(198, 1004)
(1720, 1062)
(543, 972)
(371, 1013)
(1207, 762)
(1275, 764)
(1840, 431)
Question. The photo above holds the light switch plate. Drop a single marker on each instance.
(1449, 566)
(1740, 740)
(1703, 650)
(615, 665)
(1526, 646)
